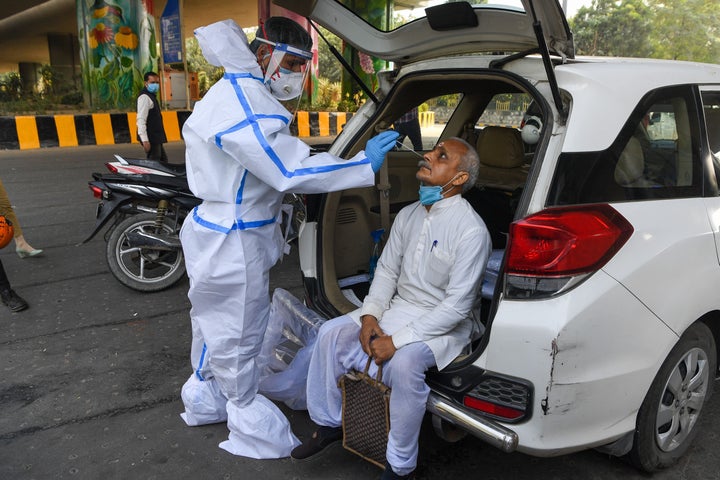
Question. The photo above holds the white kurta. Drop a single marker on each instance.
(424, 289)
(428, 276)
(240, 158)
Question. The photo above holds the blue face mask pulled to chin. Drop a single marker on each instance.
(153, 87)
(431, 194)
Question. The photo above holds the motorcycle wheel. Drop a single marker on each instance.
(143, 269)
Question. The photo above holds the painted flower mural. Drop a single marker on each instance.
(376, 13)
(100, 35)
(119, 48)
(126, 38)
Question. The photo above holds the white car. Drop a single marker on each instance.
(599, 308)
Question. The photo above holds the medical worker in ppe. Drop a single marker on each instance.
(417, 313)
(240, 158)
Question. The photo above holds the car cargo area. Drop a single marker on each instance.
(484, 111)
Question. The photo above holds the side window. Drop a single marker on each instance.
(711, 109)
(665, 155)
(653, 157)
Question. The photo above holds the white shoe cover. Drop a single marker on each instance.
(204, 402)
(259, 430)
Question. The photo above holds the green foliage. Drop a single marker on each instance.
(52, 91)
(207, 74)
(686, 30)
(612, 28)
(446, 100)
(10, 87)
(328, 94)
(351, 103)
(73, 98)
(669, 29)
(329, 66)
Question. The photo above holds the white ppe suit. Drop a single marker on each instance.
(423, 293)
(240, 159)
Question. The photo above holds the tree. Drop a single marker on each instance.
(612, 28)
(328, 66)
(669, 29)
(686, 30)
(207, 74)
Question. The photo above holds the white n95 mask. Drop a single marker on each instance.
(286, 85)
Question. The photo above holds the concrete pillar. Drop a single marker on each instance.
(65, 60)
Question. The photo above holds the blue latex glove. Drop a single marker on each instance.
(378, 146)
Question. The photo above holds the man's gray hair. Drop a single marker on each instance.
(282, 30)
(469, 163)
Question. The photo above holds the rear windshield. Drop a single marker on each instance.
(387, 16)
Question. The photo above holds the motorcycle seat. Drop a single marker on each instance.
(175, 169)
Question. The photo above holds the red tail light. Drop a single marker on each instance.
(562, 243)
(97, 191)
(111, 167)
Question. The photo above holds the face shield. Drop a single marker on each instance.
(287, 70)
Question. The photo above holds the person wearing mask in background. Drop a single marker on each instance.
(240, 159)
(417, 313)
(150, 129)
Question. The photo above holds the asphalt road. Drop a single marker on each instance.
(91, 373)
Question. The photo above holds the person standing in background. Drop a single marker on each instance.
(409, 126)
(150, 130)
(8, 296)
(22, 247)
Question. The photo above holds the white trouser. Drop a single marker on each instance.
(338, 350)
(230, 307)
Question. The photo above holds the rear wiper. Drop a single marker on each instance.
(347, 66)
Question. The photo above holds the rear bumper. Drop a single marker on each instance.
(485, 429)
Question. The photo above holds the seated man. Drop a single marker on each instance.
(416, 314)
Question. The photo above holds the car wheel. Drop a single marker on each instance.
(668, 418)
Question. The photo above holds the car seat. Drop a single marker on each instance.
(502, 159)
(630, 168)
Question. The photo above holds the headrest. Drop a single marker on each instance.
(501, 147)
(631, 164)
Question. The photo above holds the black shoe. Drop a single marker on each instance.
(13, 301)
(322, 438)
(388, 474)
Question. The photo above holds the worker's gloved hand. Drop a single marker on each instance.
(378, 146)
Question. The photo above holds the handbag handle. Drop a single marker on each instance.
(378, 377)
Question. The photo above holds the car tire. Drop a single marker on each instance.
(667, 423)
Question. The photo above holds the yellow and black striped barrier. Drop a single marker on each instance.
(24, 132)
(319, 124)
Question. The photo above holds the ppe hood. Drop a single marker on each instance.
(224, 44)
(446, 29)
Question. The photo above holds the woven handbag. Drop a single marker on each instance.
(365, 414)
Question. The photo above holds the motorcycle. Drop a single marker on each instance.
(148, 202)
